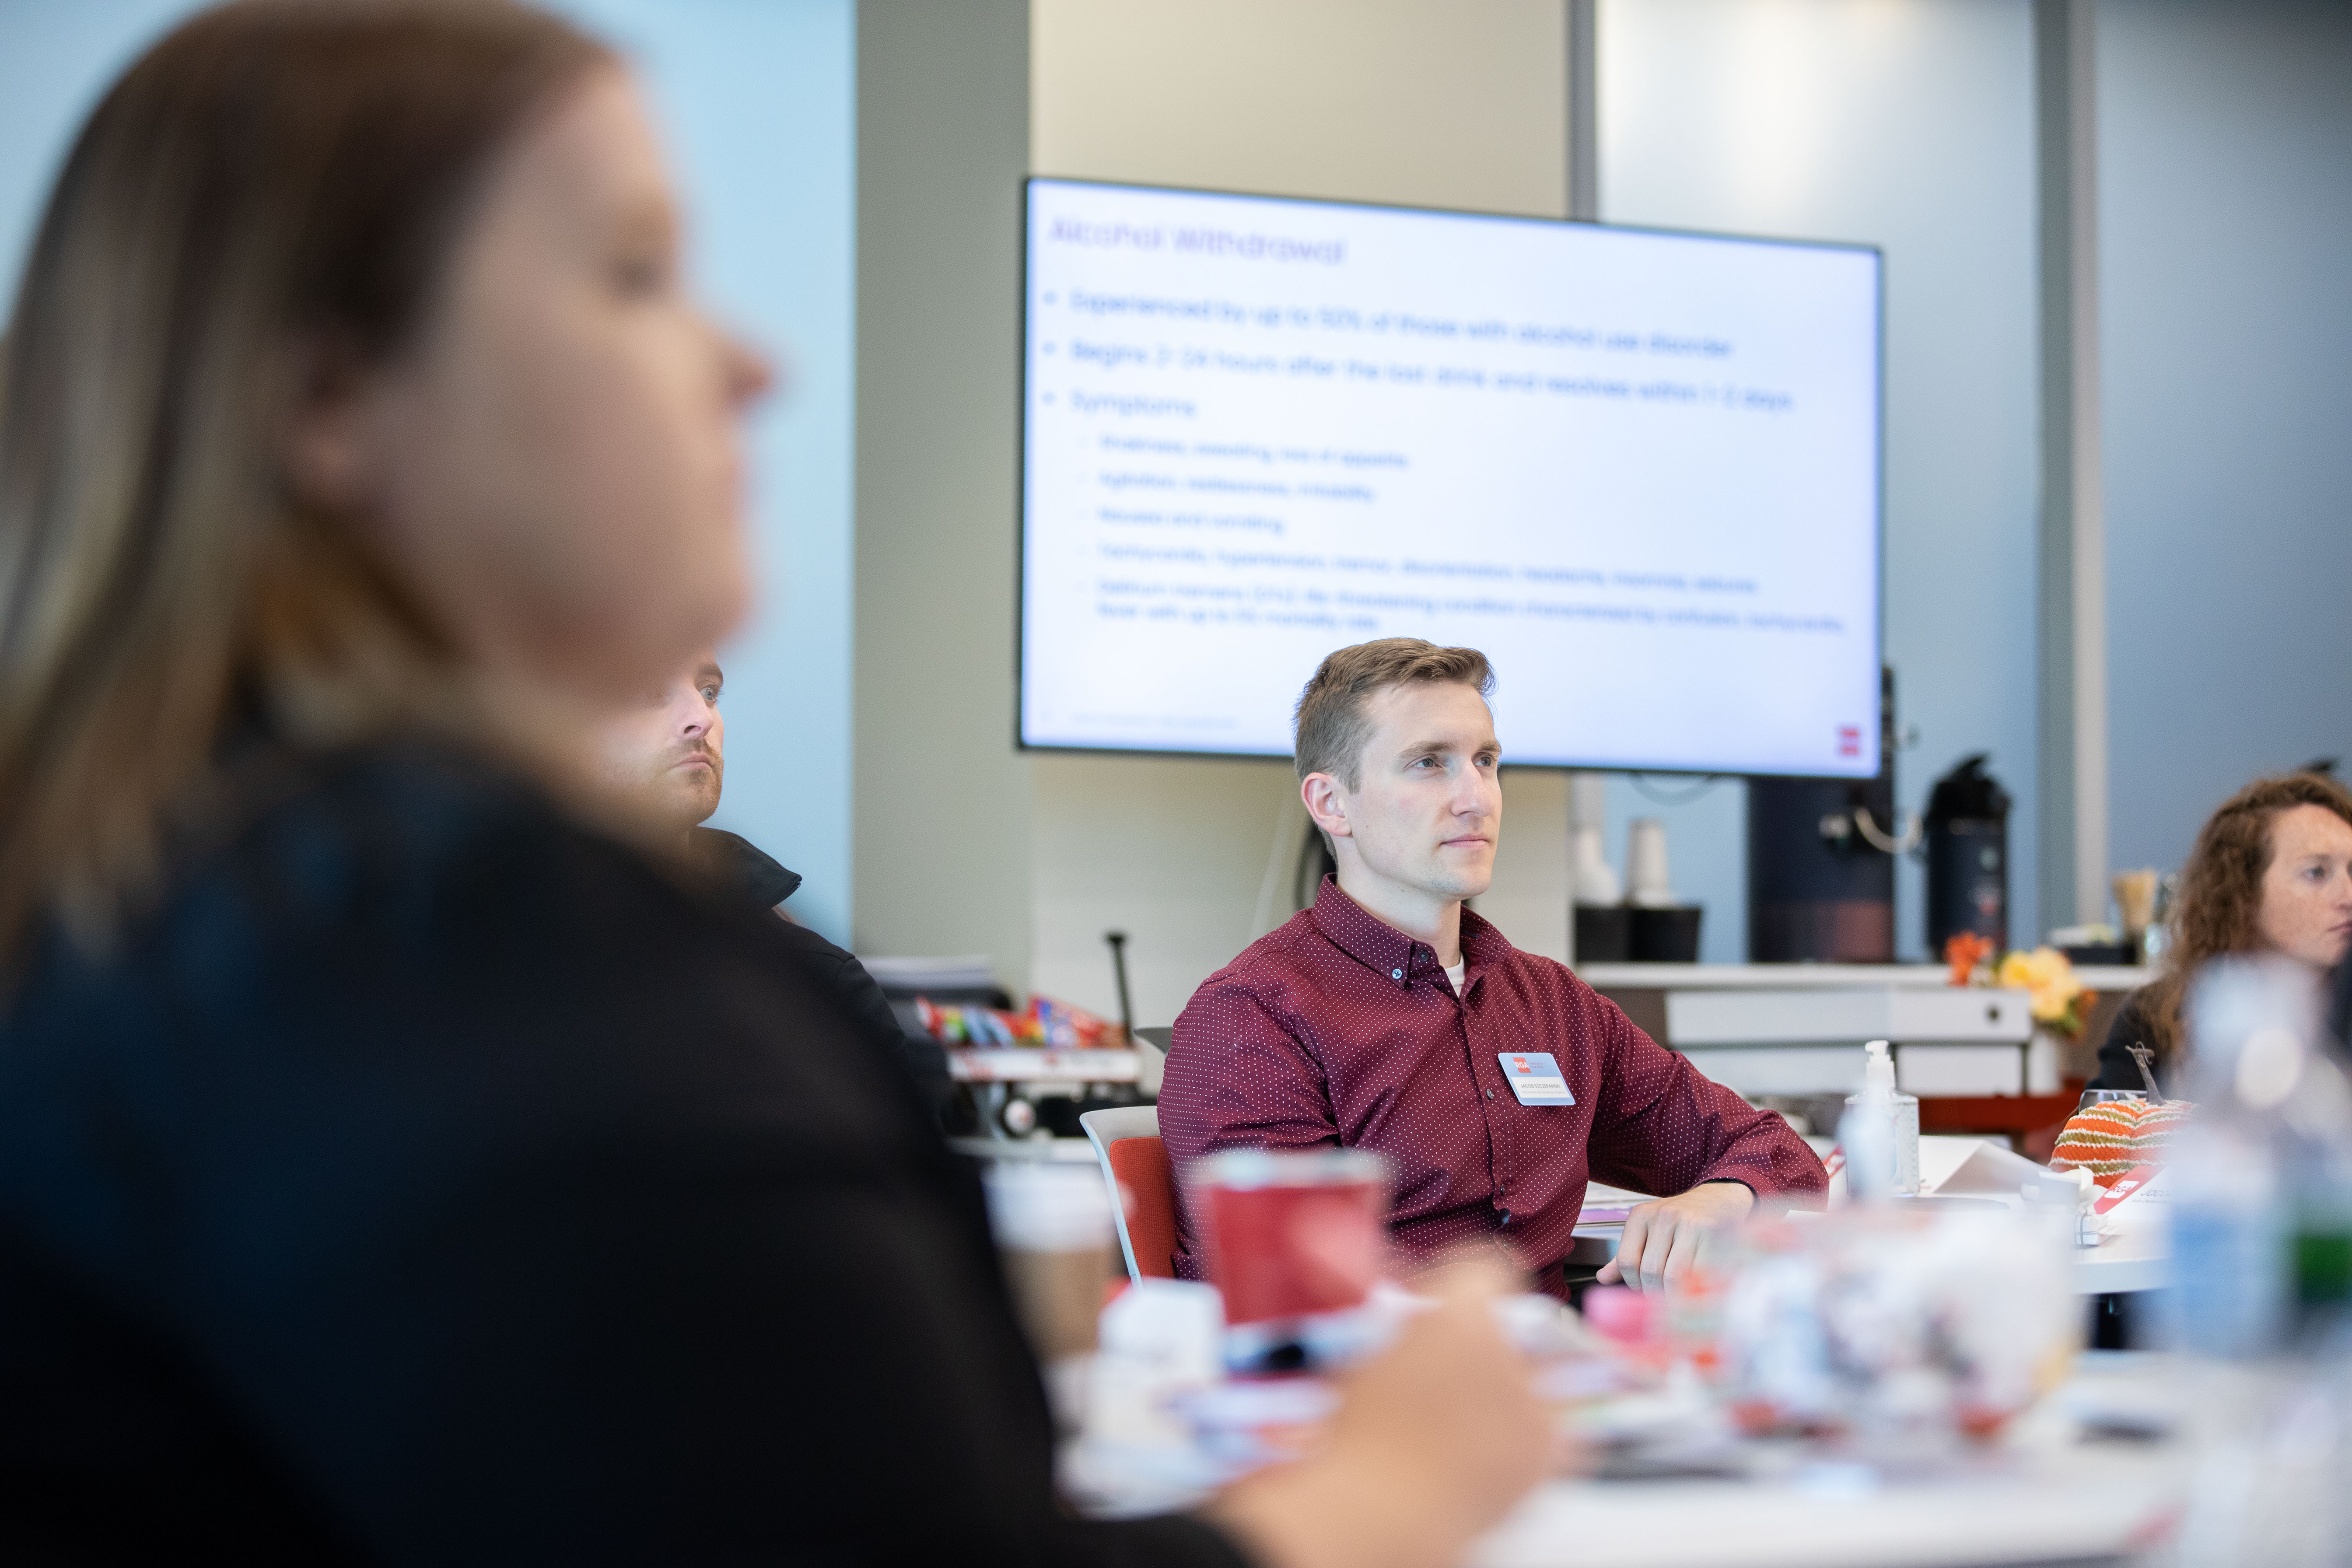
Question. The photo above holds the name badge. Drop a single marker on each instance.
(1535, 1077)
(2141, 1181)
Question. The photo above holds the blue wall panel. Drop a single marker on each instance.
(757, 99)
(2225, 140)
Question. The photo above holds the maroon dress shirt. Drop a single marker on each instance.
(1337, 1028)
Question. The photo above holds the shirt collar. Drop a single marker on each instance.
(1481, 945)
(1376, 944)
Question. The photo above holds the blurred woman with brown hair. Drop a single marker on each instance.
(396, 1165)
(2271, 871)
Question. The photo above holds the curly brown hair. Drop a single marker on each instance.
(2220, 896)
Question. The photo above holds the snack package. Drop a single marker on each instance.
(971, 1025)
(1044, 1023)
(1066, 1029)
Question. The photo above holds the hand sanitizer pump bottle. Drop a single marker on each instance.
(1880, 1132)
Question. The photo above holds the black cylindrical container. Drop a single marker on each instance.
(1818, 895)
(1812, 899)
(1967, 857)
(1668, 935)
(1605, 934)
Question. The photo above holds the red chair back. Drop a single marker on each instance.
(1141, 1166)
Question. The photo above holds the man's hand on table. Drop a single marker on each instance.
(1663, 1238)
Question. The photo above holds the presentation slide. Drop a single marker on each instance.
(1640, 471)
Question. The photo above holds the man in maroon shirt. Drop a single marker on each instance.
(1388, 1018)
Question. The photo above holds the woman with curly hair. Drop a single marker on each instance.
(2272, 871)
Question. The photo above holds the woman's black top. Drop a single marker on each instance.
(2116, 1068)
(425, 1179)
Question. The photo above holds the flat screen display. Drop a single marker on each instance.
(1641, 471)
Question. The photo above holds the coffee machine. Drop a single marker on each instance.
(1821, 861)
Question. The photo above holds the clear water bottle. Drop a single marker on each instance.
(2262, 1255)
(2261, 1172)
(2318, 1163)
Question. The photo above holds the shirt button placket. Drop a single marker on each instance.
(1498, 1137)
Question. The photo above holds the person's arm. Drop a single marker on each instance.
(869, 1011)
(1661, 1126)
(1237, 1078)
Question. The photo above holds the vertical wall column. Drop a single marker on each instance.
(942, 797)
(1583, 113)
(1588, 799)
(2074, 642)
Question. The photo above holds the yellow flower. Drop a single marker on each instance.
(2046, 974)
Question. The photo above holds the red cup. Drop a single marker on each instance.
(1295, 1242)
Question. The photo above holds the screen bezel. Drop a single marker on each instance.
(1021, 743)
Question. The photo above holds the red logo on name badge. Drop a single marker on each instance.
(2128, 1183)
(1849, 740)
(1518, 1064)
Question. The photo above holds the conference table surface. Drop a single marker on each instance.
(2044, 1497)
(2091, 1503)
(2135, 1258)
(2131, 1261)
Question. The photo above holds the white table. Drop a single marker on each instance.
(2085, 1503)
(2042, 1496)
(2137, 1259)
(1033, 1064)
(2122, 1265)
(1028, 1151)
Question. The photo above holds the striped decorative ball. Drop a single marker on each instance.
(2109, 1139)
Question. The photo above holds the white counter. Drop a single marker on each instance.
(2101, 978)
(1792, 1028)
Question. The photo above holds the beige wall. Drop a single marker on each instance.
(1458, 103)
(1905, 124)
(1427, 102)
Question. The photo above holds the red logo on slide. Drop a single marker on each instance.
(1849, 740)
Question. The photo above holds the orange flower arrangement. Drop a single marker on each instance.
(1964, 952)
(2060, 1004)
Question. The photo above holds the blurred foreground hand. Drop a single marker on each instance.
(1437, 1437)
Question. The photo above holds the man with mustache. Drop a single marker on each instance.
(667, 757)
